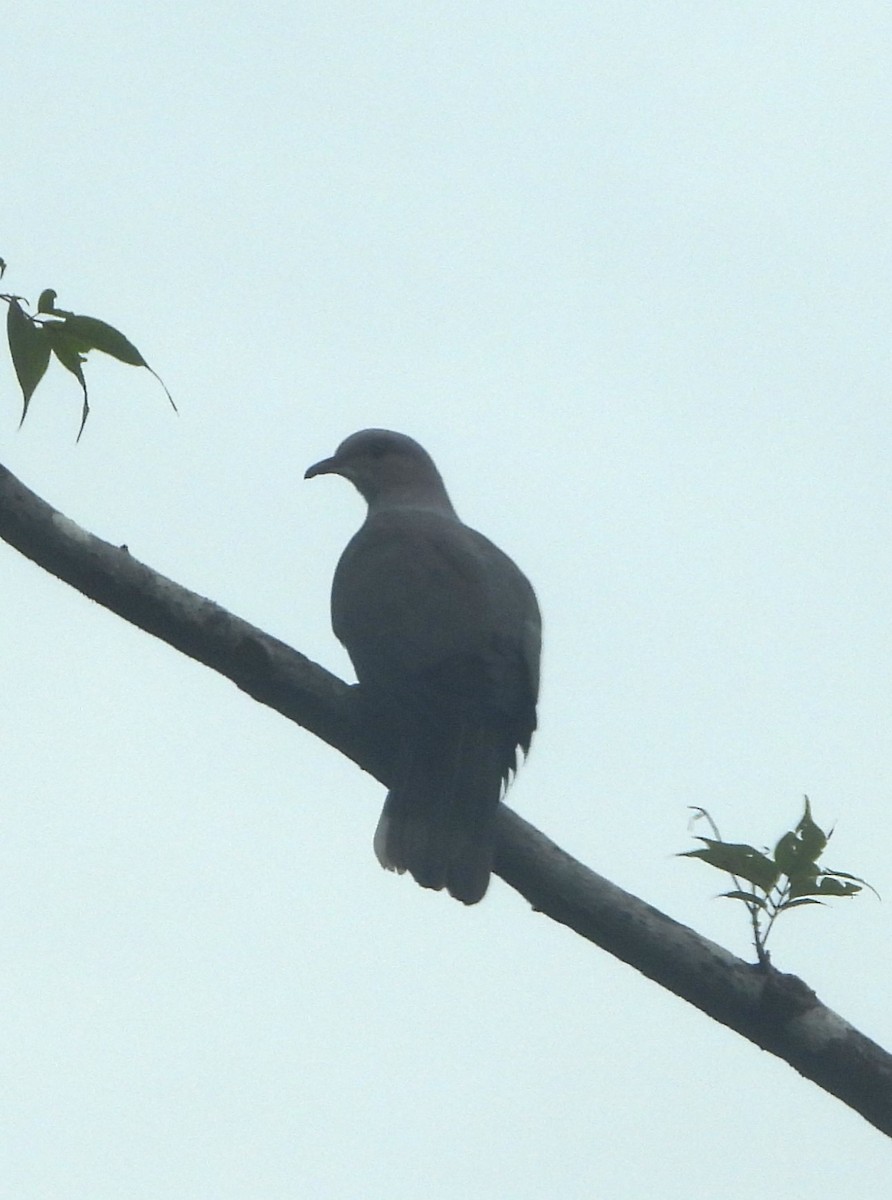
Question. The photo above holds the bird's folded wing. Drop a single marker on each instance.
(416, 589)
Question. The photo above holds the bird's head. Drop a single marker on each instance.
(387, 469)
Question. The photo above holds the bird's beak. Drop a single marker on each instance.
(328, 466)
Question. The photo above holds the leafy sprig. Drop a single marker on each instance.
(67, 336)
(769, 884)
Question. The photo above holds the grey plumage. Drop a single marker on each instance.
(444, 634)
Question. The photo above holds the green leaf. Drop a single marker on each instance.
(827, 883)
(46, 301)
(798, 851)
(94, 334)
(812, 838)
(804, 885)
(837, 887)
(99, 335)
(795, 903)
(29, 348)
(786, 853)
(853, 878)
(746, 897)
(738, 859)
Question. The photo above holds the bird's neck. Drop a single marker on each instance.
(422, 497)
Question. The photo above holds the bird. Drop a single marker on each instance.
(444, 633)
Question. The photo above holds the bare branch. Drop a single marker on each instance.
(777, 1012)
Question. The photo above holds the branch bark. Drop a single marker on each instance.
(776, 1012)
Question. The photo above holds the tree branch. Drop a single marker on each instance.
(777, 1012)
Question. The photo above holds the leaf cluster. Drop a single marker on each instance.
(68, 337)
(772, 883)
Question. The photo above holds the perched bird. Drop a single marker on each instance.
(444, 634)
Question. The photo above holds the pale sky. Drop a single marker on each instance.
(624, 269)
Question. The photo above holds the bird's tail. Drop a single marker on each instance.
(439, 819)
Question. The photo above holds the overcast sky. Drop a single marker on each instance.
(624, 269)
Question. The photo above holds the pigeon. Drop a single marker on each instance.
(444, 634)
